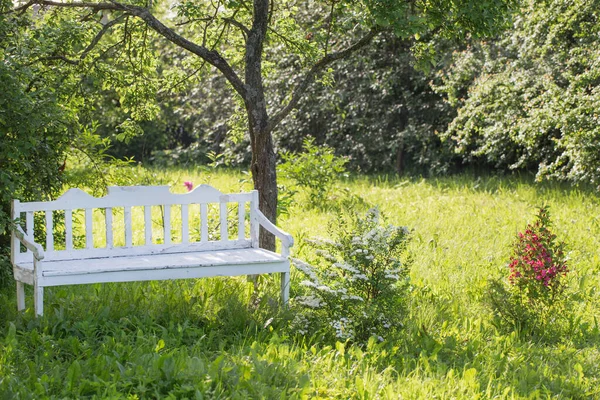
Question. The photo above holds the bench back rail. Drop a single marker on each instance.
(197, 207)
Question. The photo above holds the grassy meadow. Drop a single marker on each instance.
(218, 338)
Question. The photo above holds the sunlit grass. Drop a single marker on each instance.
(216, 338)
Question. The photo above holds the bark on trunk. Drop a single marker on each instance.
(263, 166)
(265, 181)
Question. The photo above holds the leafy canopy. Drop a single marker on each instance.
(529, 100)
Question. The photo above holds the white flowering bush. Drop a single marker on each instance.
(356, 285)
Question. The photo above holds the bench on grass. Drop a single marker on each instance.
(198, 234)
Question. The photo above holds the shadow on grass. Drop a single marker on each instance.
(183, 338)
(150, 339)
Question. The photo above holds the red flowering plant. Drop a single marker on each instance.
(538, 264)
(533, 301)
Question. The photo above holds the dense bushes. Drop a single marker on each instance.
(377, 110)
(46, 138)
(529, 100)
(525, 101)
(34, 129)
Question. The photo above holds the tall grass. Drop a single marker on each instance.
(216, 338)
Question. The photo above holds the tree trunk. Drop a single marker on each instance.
(263, 156)
(265, 181)
(400, 159)
(263, 166)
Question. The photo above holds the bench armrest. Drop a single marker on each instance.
(29, 243)
(286, 239)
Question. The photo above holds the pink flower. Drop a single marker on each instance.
(189, 185)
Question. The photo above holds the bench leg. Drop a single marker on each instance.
(38, 299)
(20, 296)
(285, 287)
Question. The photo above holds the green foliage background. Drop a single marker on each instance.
(35, 126)
(524, 100)
(528, 100)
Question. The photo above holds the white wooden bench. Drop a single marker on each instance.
(101, 243)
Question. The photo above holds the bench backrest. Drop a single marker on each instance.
(102, 227)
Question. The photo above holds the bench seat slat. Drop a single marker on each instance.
(170, 274)
(158, 261)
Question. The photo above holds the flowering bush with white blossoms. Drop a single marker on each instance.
(356, 285)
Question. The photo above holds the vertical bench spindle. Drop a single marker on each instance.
(89, 224)
(127, 221)
(69, 229)
(223, 221)
(204, 222)
(254, 225)
(167, 224)
(241, 220)
(185, 224)
(49, 231)
(29, 224)
(109, 229)
(148, 225)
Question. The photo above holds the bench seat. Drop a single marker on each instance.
(158, 266)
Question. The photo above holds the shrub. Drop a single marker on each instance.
(357, 286)
(315, 169)
(533, 295)
(538, 263)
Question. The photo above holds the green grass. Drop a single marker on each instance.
(214, 338)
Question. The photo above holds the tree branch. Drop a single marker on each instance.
(330, 26)
(239, 25)
(99, 35)
(209, 23)
(310, 76)
(94, 6)
(287, 40)
(211, 56)
(55, 57)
